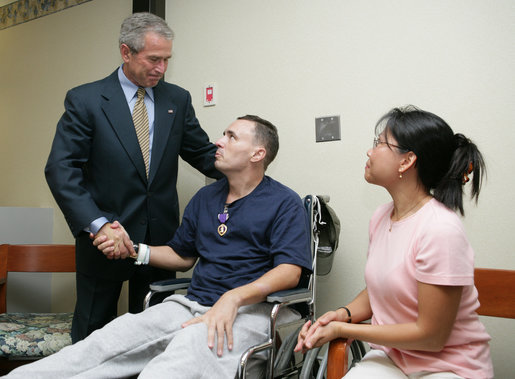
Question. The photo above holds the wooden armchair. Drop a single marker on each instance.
(338, 358)
(28, 336)
(496, 292)
(496, 297)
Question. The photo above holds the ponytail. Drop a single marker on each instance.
(466, 160)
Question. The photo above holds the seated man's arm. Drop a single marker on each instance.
(165, 257)
(160, 256)
(282, 277)
(221, 316)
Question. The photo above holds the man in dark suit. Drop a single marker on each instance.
(98, 174)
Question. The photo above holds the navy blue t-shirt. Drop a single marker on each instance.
(266, 228)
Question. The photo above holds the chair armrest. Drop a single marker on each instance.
(338, 360)
(2, 281)
(292, 296)
(170, 285)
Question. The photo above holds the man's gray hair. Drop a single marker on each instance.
(134, 28)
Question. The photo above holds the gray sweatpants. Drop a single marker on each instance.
(153, 345)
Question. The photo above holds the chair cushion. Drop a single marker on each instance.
(34, 334)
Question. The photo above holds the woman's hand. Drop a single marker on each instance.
(316, 334)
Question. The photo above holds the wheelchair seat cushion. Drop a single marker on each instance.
(34, 335)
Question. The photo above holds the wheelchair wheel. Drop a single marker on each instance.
(312, 368)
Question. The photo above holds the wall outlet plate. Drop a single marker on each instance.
(327, 128)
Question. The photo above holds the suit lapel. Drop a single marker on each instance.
(164, 116)
(119, 116)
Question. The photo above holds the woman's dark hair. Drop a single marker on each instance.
(444, 159)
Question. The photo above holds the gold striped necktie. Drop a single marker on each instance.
(140, 119)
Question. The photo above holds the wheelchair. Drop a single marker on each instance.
(277, 350)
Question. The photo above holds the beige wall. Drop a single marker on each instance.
(291, 61)
(41, 60)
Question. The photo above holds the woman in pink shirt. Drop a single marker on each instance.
(420, 294)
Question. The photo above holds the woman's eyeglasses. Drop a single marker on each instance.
(377, 142)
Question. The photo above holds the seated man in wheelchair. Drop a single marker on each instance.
(249, 236)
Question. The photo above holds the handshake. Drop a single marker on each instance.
(114, 242)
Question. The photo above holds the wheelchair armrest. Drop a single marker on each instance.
(170, 285)
(162, 286)
(294, 295)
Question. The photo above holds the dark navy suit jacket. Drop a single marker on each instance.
(96, 168)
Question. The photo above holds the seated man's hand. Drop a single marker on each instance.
(219, 320)
(113, 241)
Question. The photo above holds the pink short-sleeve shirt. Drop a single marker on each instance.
(431, 247)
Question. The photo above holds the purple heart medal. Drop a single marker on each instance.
(223, 217)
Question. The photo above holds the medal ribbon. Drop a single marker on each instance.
(223, 217)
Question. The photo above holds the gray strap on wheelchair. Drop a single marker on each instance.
(285, 352)
(358, 351)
